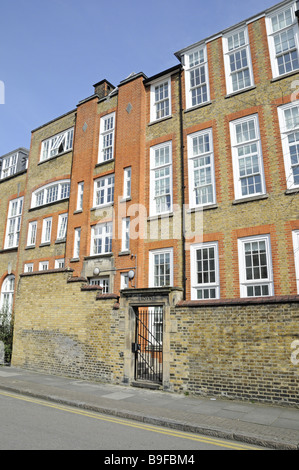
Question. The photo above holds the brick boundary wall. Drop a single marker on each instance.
(64, 327)
(238, 349)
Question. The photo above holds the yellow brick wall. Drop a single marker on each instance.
(64, 330)
(38, 175)
(237, 351)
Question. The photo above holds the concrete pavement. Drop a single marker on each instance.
(275, 427)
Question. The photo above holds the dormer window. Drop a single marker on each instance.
(9, 165)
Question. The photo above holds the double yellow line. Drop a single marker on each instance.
(124, 422)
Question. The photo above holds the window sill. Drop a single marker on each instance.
(45, 244)
(60, 240)
(124, 253)
(292, 191)
(99, 164)
(48, 204)
(285, 75)
(29, 247)
(9, 250)
(126, 199)
(55, 156)
(74, 260)
(202, 208)
(166, 118)
(104, 255)
(198, 106)
(103, 206)
(250, 199)
(7, 178)
(78, 211)
(239, 92)
(160, 216)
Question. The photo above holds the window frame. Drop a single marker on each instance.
(105, 188)
(77, 240)
(104, 133)
(244, 283)
(40, 197)
(191, 170)
(152, 255)
(59, 263)
(107, 229)
(195, 285)
(155, 103)
(236, 159)
(80, 193)
(284, 133)
(127, 182)
(53, 144)
(47, 230)
(124, 280)
(227, 54)
(43, 266)
(189, 67)
(125, 234)
(62, 224)
(7, 294)
(153, 179)
(102, 281)
(28, 268)
(32, 232)
(11, 167)
(13, 223)
(271, 42)
(295, 236)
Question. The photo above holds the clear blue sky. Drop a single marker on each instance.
(52, 52)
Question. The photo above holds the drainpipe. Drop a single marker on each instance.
(183, 188)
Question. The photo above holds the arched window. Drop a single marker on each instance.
(50, 193)
(7, 293)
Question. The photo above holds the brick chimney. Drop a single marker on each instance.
(103, 88)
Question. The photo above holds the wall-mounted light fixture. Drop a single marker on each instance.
(131, 274)
(96, 271)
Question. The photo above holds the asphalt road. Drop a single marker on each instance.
(32, 424)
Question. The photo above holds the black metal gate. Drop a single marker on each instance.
(148, 346)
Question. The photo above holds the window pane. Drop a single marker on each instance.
(162, 269)
(202, 169)
(256, 268)
(282, 20)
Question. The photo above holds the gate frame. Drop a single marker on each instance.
(167, 297)
(139, 357)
